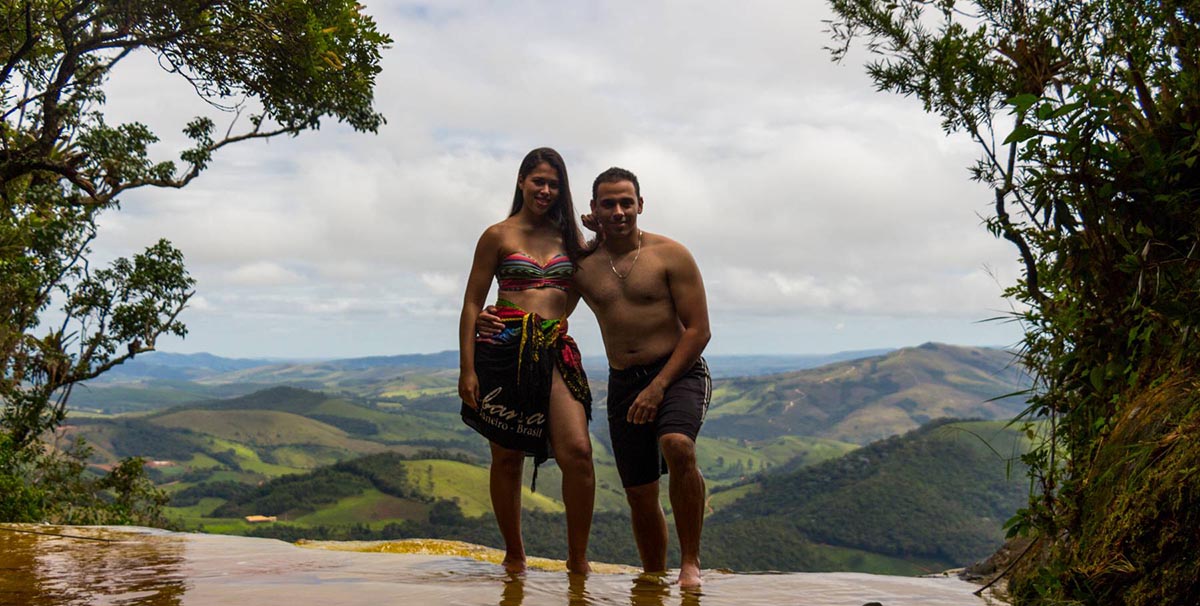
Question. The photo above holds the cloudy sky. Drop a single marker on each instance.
(824, 216)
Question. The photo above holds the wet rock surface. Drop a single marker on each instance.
(67, 566)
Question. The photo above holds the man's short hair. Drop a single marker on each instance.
(616, 175)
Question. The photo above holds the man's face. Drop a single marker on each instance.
(616, 208)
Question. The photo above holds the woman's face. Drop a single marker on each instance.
(539, 188)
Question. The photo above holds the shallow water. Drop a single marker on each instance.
(126, 566)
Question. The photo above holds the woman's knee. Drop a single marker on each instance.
(574, 455)
(508, 461)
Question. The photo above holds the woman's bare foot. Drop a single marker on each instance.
(579, 567)
(513, 564)
(689, 576)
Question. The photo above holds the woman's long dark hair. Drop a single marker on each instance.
(562, 213)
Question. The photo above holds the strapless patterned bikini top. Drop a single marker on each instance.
(519, 271)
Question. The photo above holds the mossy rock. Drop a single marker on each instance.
(1139, 519)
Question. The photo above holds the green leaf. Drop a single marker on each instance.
(1096, 376)
(1021, 103)
(1021, 133)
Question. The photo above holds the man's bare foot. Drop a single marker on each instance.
(513, 564)
(689, 577)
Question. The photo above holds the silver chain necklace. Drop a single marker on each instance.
(635, 259)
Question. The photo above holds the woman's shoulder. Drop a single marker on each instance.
(498, 232)
(518, 235)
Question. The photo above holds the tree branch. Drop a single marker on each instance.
(192, 173)
(26, 46)
(13, 169)
(1012, 235)
(134, 347)
(97, 71)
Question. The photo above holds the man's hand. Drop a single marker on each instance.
(468, 389)
(645, 407)
(590, 223)
(488, 324)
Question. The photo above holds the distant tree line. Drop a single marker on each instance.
(295, 494)
(350, 425)
(137, 437)
(935, 494)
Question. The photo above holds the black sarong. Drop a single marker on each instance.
(515, 370)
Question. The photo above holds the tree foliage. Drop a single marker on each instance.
(1086, 114)
(934, 494)
(273, 67)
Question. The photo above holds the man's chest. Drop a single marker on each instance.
(645, 284)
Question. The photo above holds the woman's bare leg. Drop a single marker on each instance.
(573, 453)
(506, 469)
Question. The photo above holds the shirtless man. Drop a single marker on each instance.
(648, 297)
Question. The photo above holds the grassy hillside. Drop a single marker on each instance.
(937, 496)
(855, 400)
(156, 380)
(926, 501)
(869, 399)
(285, 430)
(467, 485)
(430, 426)
(902, 505)
(367, 380)
(265, 428)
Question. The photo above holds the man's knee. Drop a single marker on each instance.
(678, 450)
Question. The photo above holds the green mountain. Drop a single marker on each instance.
(268, 433)
(369, 378)
(872, 398)
(224, 452)
(158, 379)
(930, 500)
(281, 431)
(164, 365)
(936, 497)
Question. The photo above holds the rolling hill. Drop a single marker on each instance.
(936, 497)
(225, 447)
(157, 379)
(872, 398)
(926, 501)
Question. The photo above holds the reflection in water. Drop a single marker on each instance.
(647, 590)
(155, 568)
(577, 593)
(514, 591)
(90, 566)
(650, 589)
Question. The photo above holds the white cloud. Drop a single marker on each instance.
(199, 303)
(263, 273)
(443, 285)
(798, 188)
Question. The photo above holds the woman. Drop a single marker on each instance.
(524, 389)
